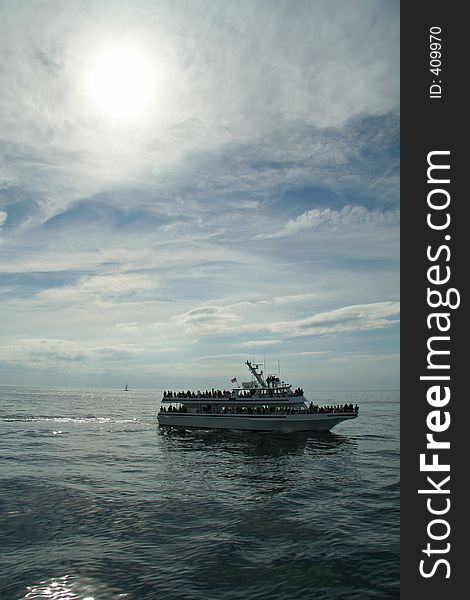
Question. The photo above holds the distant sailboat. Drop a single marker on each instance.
(126, 389)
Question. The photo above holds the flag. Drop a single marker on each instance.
(233, 380)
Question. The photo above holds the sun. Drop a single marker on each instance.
(121, 83)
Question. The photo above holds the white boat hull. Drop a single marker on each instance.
(284, 423)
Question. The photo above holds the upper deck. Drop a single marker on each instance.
(236, 396)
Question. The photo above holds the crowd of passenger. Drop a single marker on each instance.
(176, 409)
(189, 394)
(337, 408)
(248, 393)
(235, 409)
(312, 408)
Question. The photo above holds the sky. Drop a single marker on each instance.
(188, 184)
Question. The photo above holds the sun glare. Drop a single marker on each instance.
(121, 83)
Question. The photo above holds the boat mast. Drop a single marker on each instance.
(258, 376)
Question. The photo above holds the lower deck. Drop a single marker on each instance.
(303, 421)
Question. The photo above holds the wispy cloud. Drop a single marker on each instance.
(112, 286)
(47, 353)
(208, 320)
(259, 343)
(347, 218)
(343, 320)
(219, 320)
(128, 327)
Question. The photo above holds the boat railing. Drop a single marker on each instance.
(236, 394)
(208, 394)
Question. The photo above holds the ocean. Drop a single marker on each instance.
(98, 503)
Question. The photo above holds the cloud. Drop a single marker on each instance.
(220, 357)
(260, 343)
(217, 320)
(310, 353)
(109, 286)
(45, 353)
(221, 320)
(208, 320)
(366, 357)
(128, 327)
(349, 217)
(363, 317)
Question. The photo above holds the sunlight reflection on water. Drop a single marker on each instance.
(70, 587)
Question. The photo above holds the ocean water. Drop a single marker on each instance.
(98, 503)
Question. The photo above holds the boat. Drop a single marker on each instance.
(262, 404)
(126, 389)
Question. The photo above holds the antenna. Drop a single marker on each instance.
(279, 368)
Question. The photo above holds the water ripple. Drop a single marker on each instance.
(96, 502)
